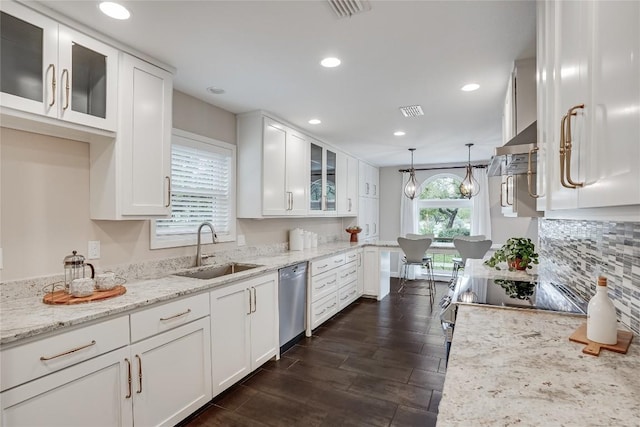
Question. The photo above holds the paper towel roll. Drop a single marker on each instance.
(296, 241)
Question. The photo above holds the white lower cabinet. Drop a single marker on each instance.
(377, 272)
(171, 374)
(335, 283)
(244, 329)
(91, 393)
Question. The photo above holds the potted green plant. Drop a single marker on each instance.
(518, 252)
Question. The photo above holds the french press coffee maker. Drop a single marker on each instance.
(74, 267)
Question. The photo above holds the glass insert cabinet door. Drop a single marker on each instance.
(49, 69)
(316, 192)
(330, 188)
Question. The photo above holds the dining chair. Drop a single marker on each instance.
(457, 261)
(475, 248)
(428, 261)
(414, 250)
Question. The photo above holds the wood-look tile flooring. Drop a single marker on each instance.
(375, 363)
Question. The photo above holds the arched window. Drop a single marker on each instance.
(442, 210)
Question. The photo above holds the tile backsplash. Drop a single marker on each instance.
(576, 252)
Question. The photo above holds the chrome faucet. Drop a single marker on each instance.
(199, 248)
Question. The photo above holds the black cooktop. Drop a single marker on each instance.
(518, 293)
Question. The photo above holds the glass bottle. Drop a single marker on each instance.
(602, 324)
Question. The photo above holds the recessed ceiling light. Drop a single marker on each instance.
(114, 10)
(215, 90)
(470, 87)
(314, 122)
(399, 133)
(330, 62)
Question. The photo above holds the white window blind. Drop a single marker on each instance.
(201, 186)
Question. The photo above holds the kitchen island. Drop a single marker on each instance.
(518, 367)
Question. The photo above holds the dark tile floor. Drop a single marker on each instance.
(375, 363)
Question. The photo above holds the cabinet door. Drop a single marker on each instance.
(297, 173)
(610, 162)
(144, 136)
(352, 186)
(230, 336)
(316, 185)
(572, 22)
(371, 272)
(264, 319)
(360, 262)
(28, 60)
(342, 196)
(88, 77)
(172, 374)
(275, 200)
(330, 181)
(91, 393)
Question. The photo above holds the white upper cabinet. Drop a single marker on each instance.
(347, 180)
(53, 71)
(131, 177)
(369, 180)
(323, 163)
(593, 135)
(272, 168)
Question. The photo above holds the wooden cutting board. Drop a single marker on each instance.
(593, 348)
(63, 298)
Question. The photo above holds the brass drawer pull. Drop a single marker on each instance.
(128, 396)
(53, 84)
(66, 89)
(176, 315)
(139, 374)
(68, 352)
(567, 144)
(530, 175)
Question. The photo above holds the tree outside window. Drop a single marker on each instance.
(444, 213)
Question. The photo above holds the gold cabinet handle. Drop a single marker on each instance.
(128, 396)
(53, 84)
(510, 177)
(350, 204)
(65, 72)
(563, 123)
(168, 179)
(568, 140)
(530, 174)
(73, 350)
(255, 299)
(250, 303)
(175, 315)
(139, 374)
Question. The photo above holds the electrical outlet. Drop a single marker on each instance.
(93, 251)
(240, 240)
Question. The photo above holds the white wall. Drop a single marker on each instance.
(44, 204)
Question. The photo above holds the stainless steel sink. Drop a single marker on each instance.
(218, 271)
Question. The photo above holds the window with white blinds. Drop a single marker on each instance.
(202, 189)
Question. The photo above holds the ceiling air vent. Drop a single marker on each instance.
(346, 8)
(412, 111)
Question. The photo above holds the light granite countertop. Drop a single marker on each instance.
(518, 367)
(27, 317)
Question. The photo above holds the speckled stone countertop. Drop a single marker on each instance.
(22, 318)
(518, 367)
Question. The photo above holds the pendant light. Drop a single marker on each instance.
(469, 186)
(412, 184)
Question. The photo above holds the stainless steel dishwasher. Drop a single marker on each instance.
(292, 300)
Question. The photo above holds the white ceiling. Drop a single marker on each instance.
(266, 55)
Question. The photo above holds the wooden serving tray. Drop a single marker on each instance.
(593, 348)
(63, 298)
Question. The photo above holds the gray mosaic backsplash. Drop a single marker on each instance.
(576, 252)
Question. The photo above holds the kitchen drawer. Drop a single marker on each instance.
(323, 309)
(38, 358)
(347, 294)
(167, 316)
(347, 274)
(351, 256)
(327, 264)
(322, 285)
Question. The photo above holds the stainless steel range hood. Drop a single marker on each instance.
(513, 157)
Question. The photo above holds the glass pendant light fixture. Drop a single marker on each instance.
(412, 184)
(469, 186)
